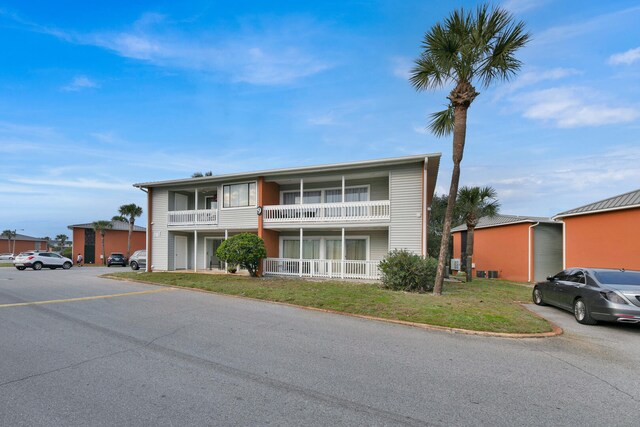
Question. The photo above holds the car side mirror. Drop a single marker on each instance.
(551, 278)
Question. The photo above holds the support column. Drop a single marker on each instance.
(343, 255)
(226, 266)
(195, 206)
(343, 198)
(195, 250)
(301, 248)
(148, 267)
(301, 190)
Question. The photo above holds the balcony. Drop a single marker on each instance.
(374, 211)
(193, 217)
(325, 268)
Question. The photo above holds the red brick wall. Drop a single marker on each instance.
(21, 246)
(114, 241)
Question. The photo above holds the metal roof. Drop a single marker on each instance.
(294, 170)
(26, 238)
(116, 225)
(498, 220)
(621, 201)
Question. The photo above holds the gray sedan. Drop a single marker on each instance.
(593, 294)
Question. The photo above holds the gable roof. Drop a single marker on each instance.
(621, 201)
(26, 238)
(498, 220)
(345, 166)
(115, 225)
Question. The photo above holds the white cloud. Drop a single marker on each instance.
(322, 120)
(532, 77)
(570, 107)
(75, 183)
(401, 67)
(275, 53)
(79, 83)
(519, 6)
(422, 130)
(626, 58)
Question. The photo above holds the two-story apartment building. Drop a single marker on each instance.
(336, 220)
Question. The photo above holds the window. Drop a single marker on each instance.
(239, 195)
(310, 249)
(293, 197)
(356, 249)
(333, 196)
(577, 277)
(360, 194)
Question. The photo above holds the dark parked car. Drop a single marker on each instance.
(116, 259)
(138, 260)
(593, 294)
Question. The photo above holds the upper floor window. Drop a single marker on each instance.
(239, 195)
(330, 195)
(293, 197)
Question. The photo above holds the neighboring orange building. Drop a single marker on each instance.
(603, 234)
(23, 243)
(519, 248)
(87, 242)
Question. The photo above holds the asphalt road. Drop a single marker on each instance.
(178, 357)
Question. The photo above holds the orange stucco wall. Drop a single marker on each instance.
(504, 249)
(114, 241)
(603, 240)
(7, 246)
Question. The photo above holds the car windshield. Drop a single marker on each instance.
(620, 277)
(116, 254)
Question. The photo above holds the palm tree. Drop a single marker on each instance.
(474, 203)
(469, 47)
(102, 227)
(128, 213)
(11, 236)
(62, 240)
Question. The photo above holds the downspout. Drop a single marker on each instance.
(529, 252)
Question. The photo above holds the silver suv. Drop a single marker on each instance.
(37, 260)
(138, 260)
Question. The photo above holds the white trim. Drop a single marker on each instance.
(239, 207)
(425, 208)
(529, 251)
(564, 245)
(322, 191)
(620, 208)
(509, 223)
(205, 202)
(195, 251)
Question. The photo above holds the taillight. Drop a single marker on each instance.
(30, 257)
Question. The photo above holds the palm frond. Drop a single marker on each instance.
(442, 122)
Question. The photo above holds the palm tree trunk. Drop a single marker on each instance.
(104, 256)
(459, 136)
(129, 238)
(469, 269)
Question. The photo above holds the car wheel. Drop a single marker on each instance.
(21, 268)
(134, 265)
(37, 266)
(537, 296)
(108, 265)
(581, 313)
(67, 265)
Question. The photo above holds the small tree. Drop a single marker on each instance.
(11, 236)
(102, 227)
(128, 213)
(472, 204)
(245, 250)
(62, 240)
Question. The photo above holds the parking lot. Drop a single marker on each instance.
(78, 349)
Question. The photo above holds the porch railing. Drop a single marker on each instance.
(328, 268)
(193, 217)
(378, 210)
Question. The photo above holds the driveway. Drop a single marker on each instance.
(104, 352)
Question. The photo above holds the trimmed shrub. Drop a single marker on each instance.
(245, 250)
(405, 271)
(67, 252)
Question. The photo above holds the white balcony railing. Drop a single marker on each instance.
(328, 268)
(378, 210)
(195, 217)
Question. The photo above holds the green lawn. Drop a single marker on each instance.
(484, 305)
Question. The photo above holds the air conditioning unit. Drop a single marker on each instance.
(493, 274)
(455, 264)
(481, 273)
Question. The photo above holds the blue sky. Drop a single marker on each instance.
(95, 97)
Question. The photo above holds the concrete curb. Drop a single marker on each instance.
(555, 329)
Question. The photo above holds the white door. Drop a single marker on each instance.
(180, 252)
(181, 202)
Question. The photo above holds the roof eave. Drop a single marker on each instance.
(619, 208)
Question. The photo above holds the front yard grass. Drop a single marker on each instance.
(483, 305)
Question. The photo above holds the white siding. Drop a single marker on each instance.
(405, 230)
(159, 236)
(238, 218)
(547, 251)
